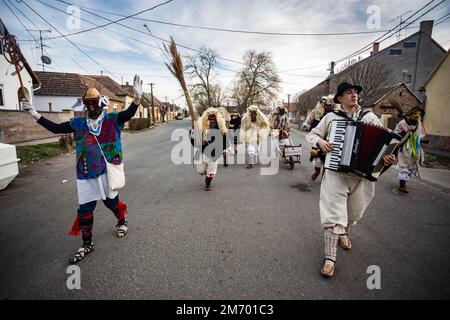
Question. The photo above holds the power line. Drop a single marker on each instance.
(69, 40)
(231, 30)
(113, 31)
(117, 21)
(137, 30)
(31, 21)
(368, 46)
(29, 31)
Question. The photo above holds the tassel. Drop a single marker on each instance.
(122, 210)
(75, 228)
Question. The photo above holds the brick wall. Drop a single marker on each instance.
(19, 126)
(400, 94)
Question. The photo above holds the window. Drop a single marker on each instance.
(409, 44)
(408, 78)
(395, 52)
(1, 95)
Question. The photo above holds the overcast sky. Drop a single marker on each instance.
(301, 60)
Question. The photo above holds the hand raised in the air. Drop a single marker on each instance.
(137, 89)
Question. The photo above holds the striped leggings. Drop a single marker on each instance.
(86, 215)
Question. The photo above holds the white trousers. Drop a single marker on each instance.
(252, 150)
(207, 166)
(343, 198)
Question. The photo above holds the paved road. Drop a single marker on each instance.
(251, 237)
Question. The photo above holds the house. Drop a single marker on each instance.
(143, 111)
(62, 91)
(437, 111)
(411, 61)
(380, 103)
(9, 81)
(157, 106)
(413, 58)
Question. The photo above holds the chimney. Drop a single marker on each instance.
(426, 27)
(126, 83)
(332, 67)
(376, 48)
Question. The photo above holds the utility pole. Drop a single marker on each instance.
(153, 104)
(41, 45)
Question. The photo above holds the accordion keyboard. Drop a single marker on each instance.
(337, 135)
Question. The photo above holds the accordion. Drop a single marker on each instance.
(359, 147)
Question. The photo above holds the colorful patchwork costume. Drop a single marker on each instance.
(97, 129)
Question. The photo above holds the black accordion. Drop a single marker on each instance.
(359, 147)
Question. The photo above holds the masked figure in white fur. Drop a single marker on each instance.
(209, 136)
(255, 127)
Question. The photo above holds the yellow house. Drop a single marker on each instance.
(437, 116)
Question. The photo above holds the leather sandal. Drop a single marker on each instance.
(327, 269)
(344, 241)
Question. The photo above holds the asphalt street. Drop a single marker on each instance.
(252, 237)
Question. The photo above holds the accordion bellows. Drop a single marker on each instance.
(359, 147)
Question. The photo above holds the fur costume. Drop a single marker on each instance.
(274, 118)
(319, 111)
(254, 132)
(221, 121)
(207, 164)
(224, 114)
(202, 125)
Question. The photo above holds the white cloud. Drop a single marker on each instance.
(124, 55)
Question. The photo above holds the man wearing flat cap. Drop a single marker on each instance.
(343, 196)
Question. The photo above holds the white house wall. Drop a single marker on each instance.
(11, 84)
(58, 103)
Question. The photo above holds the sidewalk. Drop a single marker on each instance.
(38, 141)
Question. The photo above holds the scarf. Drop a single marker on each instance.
(95, 126)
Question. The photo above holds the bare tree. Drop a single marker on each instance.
(200, 68)
(257, 83)
(369, 74)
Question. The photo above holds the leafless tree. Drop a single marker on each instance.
(257, 83)
(200, 68)
(369, 74)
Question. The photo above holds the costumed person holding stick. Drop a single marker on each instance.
(279, 123)
(212, 141)
(343, 196)
(255, 127)
(97, 138)
(410, 155)
(324, 106)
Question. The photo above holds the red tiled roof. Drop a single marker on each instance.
(110, 84)
(69, 85)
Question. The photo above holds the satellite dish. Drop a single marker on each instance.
(46, 60)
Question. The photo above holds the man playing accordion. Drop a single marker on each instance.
(343, 196)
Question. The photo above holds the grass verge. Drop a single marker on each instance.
(33, 153)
